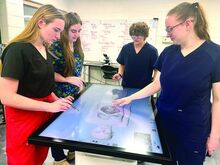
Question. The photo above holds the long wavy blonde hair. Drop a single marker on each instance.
(31, 32)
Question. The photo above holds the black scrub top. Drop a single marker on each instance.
(23, 62)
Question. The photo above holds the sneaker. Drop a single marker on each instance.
(70, 156)
(61, 162)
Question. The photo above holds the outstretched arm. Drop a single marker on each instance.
(149, 90)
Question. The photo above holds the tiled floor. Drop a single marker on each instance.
(2, 145)
(214, 160)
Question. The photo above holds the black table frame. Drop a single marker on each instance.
(164, 158)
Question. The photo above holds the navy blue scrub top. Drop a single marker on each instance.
(186, 83)
(138, 67)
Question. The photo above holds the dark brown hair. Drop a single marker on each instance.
(139, 28)
(70, 19)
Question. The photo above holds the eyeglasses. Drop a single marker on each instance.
(169, 29)
(137, 37)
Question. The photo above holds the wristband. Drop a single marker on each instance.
(120, 75)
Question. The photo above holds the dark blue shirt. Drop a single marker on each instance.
(186, 84)
(138, 66)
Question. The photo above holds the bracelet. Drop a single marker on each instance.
(120, 75)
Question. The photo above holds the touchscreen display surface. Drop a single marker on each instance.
(94, 121)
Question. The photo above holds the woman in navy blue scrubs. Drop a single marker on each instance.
(187, 72)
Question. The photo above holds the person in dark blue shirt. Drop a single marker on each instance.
(187, 72)
(136, 59)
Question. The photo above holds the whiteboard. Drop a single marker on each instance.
(108, 36)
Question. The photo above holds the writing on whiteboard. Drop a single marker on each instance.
(108, 36)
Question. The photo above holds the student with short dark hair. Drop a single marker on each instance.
(136, 59)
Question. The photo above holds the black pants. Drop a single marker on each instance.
(58, 153)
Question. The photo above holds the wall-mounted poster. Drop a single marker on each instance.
(94, 124)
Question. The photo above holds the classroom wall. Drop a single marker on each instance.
(11, 13)
(11, 18)
(142, 9)
(60, 4)
(127, 10)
